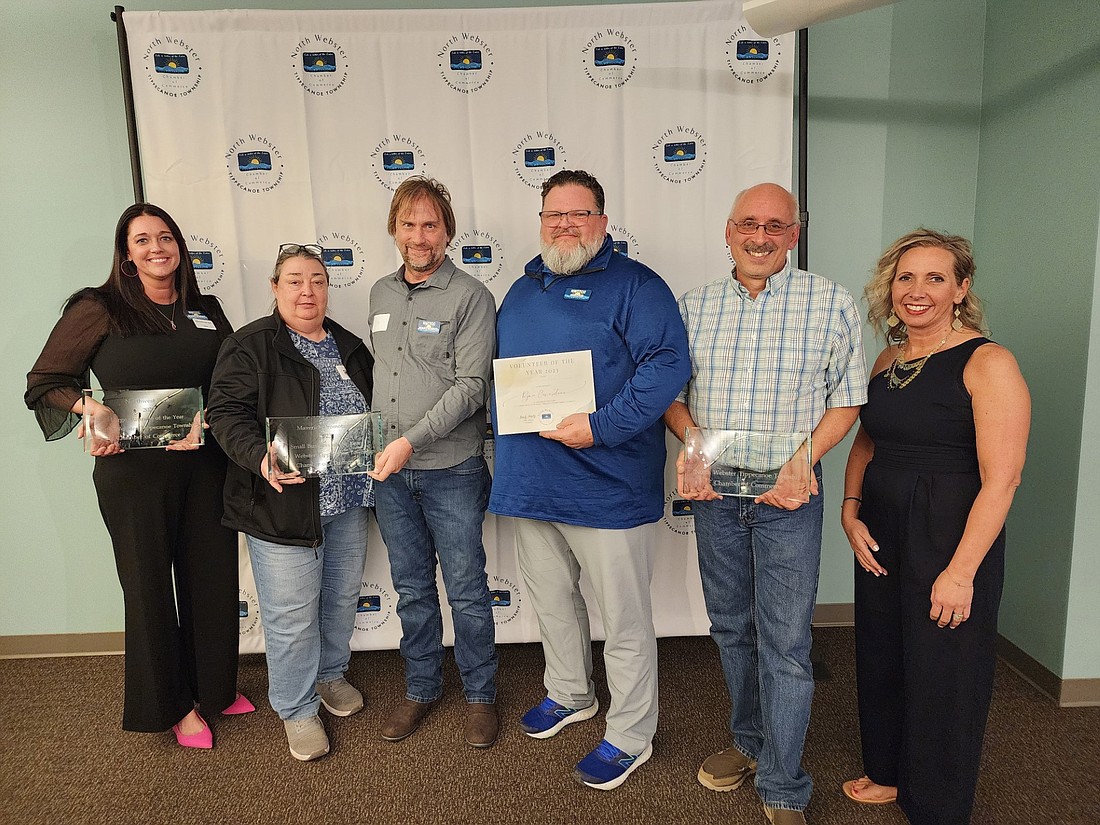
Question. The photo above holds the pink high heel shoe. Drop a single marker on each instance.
(203, 739)
(240, 705)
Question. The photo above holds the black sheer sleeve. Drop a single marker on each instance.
(61, 372)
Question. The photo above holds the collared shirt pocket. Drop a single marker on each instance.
(432, 339)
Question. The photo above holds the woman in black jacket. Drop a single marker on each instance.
(307, 537)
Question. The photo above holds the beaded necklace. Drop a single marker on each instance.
(895, 381)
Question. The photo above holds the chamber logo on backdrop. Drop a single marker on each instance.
(537, 157)
(480, 254)
(248, 611)
(679, 516)
(374, 608)
(208, 260)
(465, 63)
(608, 58)
(679, 154)
(623, 241)
(320, 64)
(344, 258)
(172, 66)
(396, 158)
(254, 163)
(751, 58)
(505, 599)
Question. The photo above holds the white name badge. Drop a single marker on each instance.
(200, 320)
(381, 322)
(342, 371)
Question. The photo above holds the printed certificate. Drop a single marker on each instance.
(535, 392)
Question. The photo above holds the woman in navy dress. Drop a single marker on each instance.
(929, 482)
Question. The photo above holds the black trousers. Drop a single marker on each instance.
(177, 566)
(924, 691)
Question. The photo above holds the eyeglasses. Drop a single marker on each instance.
(749, 227)
(310, 250)
(575, 217)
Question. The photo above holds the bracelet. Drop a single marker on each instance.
(852, 498)
(953, 581)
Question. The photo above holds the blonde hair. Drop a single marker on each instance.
(877, 291)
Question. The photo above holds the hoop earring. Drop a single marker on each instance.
(957, 324)
(126, 270)
(893, 320)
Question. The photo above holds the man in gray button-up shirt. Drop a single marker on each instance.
(432, 327)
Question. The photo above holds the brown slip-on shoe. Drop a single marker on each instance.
(726, 770)
(405, 719)
(482, 724)
(784, 816)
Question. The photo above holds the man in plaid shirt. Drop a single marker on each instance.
(773, 349)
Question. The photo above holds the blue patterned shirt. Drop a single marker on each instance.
(339, 396)
(775, 363)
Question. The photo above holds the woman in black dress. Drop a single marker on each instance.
(149, 327)
(930, 479)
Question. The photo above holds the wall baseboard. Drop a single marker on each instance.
(841, 614)
(1066, 693)
(61, 644)
(101, 644)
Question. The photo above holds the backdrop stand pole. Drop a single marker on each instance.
(128, 100)
(803, 109)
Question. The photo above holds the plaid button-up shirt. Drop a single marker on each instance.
(775, 363)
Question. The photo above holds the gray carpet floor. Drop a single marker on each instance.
(64, 758)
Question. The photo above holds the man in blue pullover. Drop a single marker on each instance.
(584, 495)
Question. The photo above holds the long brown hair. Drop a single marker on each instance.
(130, 311)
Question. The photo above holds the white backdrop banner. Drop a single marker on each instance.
(263, 127)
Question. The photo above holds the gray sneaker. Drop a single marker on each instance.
(339, 697)
(307, 738)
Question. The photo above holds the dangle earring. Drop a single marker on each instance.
(129, 271)
(893, 320)
(957, 324)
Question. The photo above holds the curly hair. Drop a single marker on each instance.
(878, 289)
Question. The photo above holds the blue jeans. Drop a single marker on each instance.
(427, 516)
(759, 566)
(307, 599)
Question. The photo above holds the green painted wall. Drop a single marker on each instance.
(1038, 202)
(893, 144)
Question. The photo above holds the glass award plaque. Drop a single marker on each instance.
(746, 463)
(313, 445)
(146, 418)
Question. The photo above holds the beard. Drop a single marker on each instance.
(429, 265)
(569, 261)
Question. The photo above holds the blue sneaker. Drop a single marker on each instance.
(608, 767)
(546, 719)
